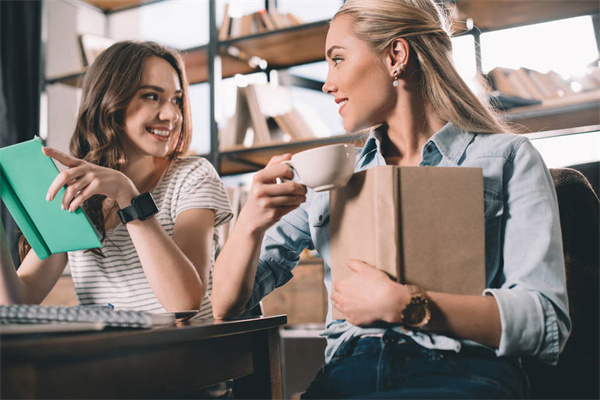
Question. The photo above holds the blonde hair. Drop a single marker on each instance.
(424, 25)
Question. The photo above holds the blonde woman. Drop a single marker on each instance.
(390, 66)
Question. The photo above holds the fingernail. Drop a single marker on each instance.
(62, 207)
(47, 197)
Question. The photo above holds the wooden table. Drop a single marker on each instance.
(163, 362)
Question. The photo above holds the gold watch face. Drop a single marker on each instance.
(416, 313)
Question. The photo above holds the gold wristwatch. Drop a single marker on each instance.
(416, 313)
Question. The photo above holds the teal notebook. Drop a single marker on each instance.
(25, 176)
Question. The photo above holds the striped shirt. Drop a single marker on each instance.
(118, 277)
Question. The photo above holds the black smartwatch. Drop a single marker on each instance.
(142, 207)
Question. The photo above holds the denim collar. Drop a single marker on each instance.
(451, 142)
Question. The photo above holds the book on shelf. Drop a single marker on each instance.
(559, 83)
(225, 25)
(500, 81)
(268, 111)
(532, 90)
(25, 177)
(260, 21)
(543, 83)
(266, 20)
(257, 115)
(515, 86)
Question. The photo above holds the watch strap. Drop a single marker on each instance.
(142, 207)
(128, 214)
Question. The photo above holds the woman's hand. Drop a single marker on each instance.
(269, 200)
(369, 295)
(83, 180)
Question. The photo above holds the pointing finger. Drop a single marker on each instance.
(61, 157)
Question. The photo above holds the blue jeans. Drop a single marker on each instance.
(394, 367)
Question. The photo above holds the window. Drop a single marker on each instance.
(566, 46)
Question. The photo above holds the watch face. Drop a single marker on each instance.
(145, 206)
(415, 314)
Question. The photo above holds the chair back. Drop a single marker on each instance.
(577, 373)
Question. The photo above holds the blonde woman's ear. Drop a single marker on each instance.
(398, 53)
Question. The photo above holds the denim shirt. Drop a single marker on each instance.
(524, 259)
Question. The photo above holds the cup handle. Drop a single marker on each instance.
(281, 180)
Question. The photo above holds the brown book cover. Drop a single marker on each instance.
(559, 83)
(266, 20)
(247, 27)
(225, 25)
(517, 83)
(531, 88)
(258, 119)
(543, 83)
(501, 82)
(421, 225)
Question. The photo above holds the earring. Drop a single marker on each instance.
(395, 82)
(397, 72)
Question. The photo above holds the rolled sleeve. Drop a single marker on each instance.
(280, 253)
(532, 299)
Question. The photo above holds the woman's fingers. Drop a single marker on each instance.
(64, 159)
(74, 189)
(273, 171)
(69, 176)
(83, 195)
(278, 159)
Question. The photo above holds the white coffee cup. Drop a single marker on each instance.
(324, 168)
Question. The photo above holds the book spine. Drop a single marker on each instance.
(384, 208)
(225, 25)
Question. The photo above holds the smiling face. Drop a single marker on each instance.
(153, 116)
(357, 78)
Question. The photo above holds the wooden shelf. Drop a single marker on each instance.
(286, 47)
(501, 14)
(75, 79)
(280, 48)
(249, 159)
(567, 112)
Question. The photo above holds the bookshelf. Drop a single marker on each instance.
(248, 159)
(308, 42)
(501, 14)
(302, 44)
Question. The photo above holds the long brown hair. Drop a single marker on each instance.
(424, 25)
(108, 86)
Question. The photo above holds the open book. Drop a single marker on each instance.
(25, 176)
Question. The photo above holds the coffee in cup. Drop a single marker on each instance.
(324, 168)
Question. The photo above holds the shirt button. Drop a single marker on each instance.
(430, 148)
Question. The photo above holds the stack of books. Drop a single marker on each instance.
(265, 113)
(524, 86)
(260, 21)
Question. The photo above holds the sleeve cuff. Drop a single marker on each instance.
(525, 327)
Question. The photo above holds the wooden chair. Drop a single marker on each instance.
(577, 372)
